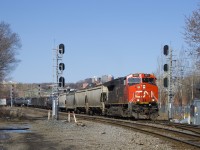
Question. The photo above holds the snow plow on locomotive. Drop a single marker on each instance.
(135, 95)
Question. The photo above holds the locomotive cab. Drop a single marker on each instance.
(143, 94)
(142, 88)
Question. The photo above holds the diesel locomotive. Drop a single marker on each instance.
(135, 95)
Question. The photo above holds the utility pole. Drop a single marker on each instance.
(39, 90)
(11, 94)
(192, 86)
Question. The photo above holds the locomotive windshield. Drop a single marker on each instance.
(148, 80)
(132, 81)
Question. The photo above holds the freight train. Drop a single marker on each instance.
(135, 95)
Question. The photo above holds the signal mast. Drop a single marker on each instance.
(60, 80)
(168, 79)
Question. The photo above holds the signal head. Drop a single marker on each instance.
(61, 49)
(166, 50)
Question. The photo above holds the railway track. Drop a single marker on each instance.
(188, 138)
(183, 136)
(186, 127)
(192, 128)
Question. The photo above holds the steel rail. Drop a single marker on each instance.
(173, 135)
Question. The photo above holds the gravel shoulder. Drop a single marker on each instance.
(46, 134)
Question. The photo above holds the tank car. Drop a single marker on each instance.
(40, 102)
(28, 101)
(19, 102)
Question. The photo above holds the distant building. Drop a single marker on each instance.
(84, 85)
(91, 82)
(96, 79)
(106, 78)
(88, 80)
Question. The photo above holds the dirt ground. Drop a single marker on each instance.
(44, 134)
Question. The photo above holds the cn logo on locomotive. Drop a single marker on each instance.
(143, 94)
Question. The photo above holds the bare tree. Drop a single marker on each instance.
(192, 35)
(9, 45)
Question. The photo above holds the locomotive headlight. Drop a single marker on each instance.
(138, 100)
(153, 100)
(138, 87)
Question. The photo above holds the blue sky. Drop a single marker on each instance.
(116, 37)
